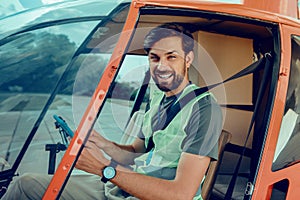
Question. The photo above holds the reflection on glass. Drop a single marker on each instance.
(30, 66)
(288, 149)
(116, 111)
(58, 11)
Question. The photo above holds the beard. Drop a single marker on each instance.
(167, 86)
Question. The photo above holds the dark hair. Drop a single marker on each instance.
(169, 30)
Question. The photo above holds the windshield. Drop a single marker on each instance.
(50, 57)
(56, 12)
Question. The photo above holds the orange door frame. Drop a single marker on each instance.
(86, 124)
(266, 178)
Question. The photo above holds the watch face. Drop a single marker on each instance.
(109, 172)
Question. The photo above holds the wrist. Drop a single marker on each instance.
(105, 163)
(109, 171)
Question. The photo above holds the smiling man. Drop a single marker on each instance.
(166, 161)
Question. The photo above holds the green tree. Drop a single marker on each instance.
(31, 62)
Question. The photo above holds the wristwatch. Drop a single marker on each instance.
(109, 171)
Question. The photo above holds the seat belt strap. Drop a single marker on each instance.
(261, 91)
(174, 109)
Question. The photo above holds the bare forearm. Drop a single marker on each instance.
(146, 187)
(190, 173)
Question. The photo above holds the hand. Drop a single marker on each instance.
(98, 140)
(91, 159)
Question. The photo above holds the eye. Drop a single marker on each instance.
(172, 57)
(154, 58)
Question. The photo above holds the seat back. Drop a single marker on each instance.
(214, 166)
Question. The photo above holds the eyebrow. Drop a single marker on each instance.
(168, 53)
(171, 52)
(153, 54)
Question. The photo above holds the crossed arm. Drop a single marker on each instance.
(190, 171)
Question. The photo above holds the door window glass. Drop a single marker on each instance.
(115, 114)
(288, 149)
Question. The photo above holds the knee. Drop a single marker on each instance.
(18, 187)
(25, 182)
(31, 186)
(32, 181)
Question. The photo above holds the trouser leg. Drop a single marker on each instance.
(113, 192)
(33, 186)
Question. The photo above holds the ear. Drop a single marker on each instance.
(189, 59)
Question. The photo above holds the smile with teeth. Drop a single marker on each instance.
(164, 76)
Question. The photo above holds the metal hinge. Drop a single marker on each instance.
(249, 188)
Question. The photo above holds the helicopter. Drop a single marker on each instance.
(84, 63)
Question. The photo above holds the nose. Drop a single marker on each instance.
(162, 65)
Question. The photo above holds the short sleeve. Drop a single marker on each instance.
(204, 128)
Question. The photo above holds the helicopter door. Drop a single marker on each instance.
(279, 167)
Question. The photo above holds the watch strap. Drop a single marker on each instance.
(113, 163)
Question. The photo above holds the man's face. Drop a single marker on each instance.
(168, 65)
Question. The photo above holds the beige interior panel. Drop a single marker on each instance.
(230, 55)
